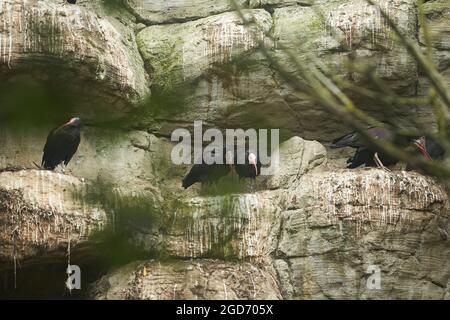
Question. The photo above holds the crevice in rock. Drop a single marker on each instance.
(148, 23)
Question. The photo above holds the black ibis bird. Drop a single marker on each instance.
(204, 172)
(366, 154)
(361, 157)
(251, 168)
(61, 144)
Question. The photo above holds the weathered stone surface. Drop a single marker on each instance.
(235, 226)
(438, 17)
(160, 11)
(438, 22)
(239, 88)
(44, 37)
(294, 158)
(183, 52)
(312, 235)
(341, 28)
(221, 81)
(319, 230)
(321, 235)
(40, 214)
(350, 26)
(280, 3)
(153, 12)
(125, 160)
(340, 223)
(200, 279)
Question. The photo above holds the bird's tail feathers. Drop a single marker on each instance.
(188, 181)
(344, 141)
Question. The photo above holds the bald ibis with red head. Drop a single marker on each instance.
(243, 162)
(61, 144)
(369, 156)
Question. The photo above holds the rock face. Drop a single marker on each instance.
(202, 279)
(183, 52)
(229, 226)
(40, 214)
(439, 28)
(126, 160)
(340, 224)
(293, 159)
(333, 30)
(160, 11)
(321, 237)
(437, 14)
(232, 226)
(233, 83)
(351, 25)
(209, 58)
(322, 234)
(307, 231)
(73, 45)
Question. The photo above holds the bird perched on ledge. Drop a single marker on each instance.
(61, 144)
(231, 162)
(204, 172)
(369, 155)
(364, 153)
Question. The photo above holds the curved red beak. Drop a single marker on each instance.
(421, 145)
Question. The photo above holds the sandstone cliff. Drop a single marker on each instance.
(310, 231)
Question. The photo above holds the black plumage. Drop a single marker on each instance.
(361, 157)
(434, 149)
(365, 154)
(251, 168)
(203, 172)
(240, 160)
(72, 1)
(61, 144)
